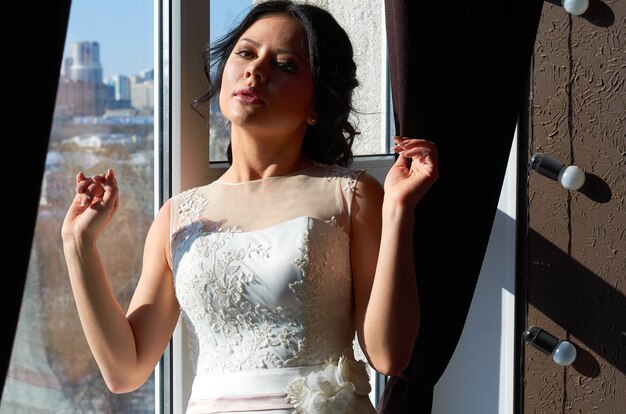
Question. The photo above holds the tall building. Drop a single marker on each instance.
(66, 69)
(83, 93)
(121, 84)
(142, 94)
(147, 74)
(86, 65)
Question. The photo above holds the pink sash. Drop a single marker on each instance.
(244, 391)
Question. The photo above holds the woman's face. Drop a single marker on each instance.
(267, 82)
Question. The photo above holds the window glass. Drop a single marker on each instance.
(371, 99)
(224, 15)
(103, 118)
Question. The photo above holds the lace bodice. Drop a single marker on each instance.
(262, 270)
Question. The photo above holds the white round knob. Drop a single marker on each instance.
(564, 353)
(575, 7)
(572, 177)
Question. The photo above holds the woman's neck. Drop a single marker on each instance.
(262, 157)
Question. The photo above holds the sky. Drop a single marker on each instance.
(125, 30)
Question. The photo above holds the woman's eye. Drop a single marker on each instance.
(243, 53)
(287, 66)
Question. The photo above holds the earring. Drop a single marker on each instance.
(312, 121)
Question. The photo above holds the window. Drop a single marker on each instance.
(103, 118)
(197, 160)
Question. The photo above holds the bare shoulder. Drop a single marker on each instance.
(368, 188)
(159, 233)
(161, 222)
(164, 211)
(367, 202)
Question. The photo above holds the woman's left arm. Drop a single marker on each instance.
(386, 296)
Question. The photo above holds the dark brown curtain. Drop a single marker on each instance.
(35, 41)
(458, 76)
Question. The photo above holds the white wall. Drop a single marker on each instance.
(480, 376)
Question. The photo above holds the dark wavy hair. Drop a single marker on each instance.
(330, 140)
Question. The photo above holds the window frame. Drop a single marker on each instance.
(162, 177)
(182, 29)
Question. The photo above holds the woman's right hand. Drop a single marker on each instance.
(93, 206)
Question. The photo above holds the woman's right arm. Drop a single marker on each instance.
(126, 346)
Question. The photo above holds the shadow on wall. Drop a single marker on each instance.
(582, 303)
(596, 189)
(598, 13)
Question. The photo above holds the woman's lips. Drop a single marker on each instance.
(248, 95)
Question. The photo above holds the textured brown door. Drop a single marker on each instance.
(574, 272)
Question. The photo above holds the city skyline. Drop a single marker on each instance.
(129, 48)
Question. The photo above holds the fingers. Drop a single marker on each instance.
(418, 156)
(94, 188)
(110, 190)
(109, 178)
(83, 193)
(401, 162)
(411, 148)
(91, 189)
(81, 183)
(79, 177)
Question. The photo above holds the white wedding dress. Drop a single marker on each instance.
(263, 277)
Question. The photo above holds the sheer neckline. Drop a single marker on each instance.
(274, 177)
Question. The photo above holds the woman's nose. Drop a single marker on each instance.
(255, 70)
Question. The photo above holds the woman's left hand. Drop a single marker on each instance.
(413, 173)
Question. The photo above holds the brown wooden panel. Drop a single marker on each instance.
(576, 244)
